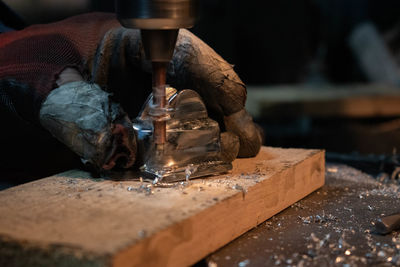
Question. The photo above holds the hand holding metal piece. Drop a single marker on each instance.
(109, 58)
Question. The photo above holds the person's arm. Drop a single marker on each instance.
(111, 68)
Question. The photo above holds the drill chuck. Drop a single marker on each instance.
(156, 14)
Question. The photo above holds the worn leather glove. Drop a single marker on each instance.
(84, 77)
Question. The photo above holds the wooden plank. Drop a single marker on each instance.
(72, 218)
(359, 101)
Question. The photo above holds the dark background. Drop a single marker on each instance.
(296, 42)
(269, 42)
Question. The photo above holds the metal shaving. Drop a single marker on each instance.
(147, 189)
(322, 219)
(244, 263)
(190, 169)
(142, 233)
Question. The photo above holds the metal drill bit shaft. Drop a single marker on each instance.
(159, 81)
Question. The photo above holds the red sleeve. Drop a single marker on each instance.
(36, 55)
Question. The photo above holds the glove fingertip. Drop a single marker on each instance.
(250, 136)
(230, 146)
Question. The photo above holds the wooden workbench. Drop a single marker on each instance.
(73, 219)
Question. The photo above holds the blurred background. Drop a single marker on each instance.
(320, 73)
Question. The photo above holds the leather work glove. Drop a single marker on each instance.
(83, 78)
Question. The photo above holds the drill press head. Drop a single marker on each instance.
(156, 14)
(159, 21)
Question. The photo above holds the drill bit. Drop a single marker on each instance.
(159, 82)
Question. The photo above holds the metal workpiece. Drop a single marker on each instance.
(192, 146)
(157, 14)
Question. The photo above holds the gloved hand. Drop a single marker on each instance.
(69, 76)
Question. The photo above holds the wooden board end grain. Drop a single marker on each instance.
(72, 218)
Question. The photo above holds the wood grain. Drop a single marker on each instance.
(73, 218)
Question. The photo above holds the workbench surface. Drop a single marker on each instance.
(330, 227)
